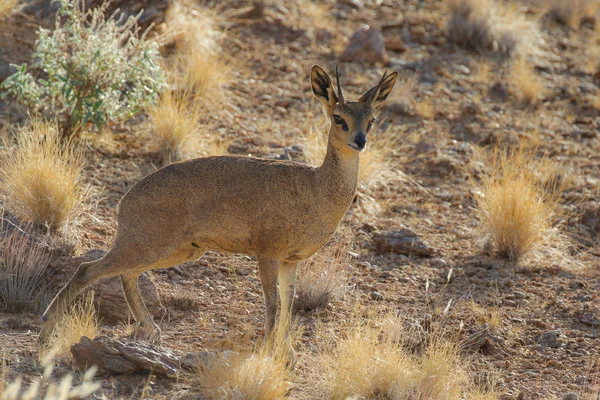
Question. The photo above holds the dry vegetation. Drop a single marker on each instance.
(322, 278)
(526, 87)
(264, 373)
(79, 320)
(518, 208)
(487, 25)
(7, 7)
(174, 121)
(196, 84)
(22, 272)
(375, 359)
(41, 178)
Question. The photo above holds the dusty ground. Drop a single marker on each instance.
(270, 107)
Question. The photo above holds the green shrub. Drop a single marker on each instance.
(89, 70)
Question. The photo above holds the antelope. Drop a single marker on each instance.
(281, 212)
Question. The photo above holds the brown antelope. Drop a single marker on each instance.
(279, 211)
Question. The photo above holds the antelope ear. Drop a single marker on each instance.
(379, 93)
(322, 87)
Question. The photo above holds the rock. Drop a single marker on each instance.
(549, 339)
(589, 318)
(403, 241)
(115, 356)
(394, 44)
(443, 165)
(366, 45)
(238, 147)
(112, 306)
(570, 396)
(376, 296)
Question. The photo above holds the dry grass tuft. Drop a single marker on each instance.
(524, 84)
(489, 316)
(425, 109)
(373, 361)
(79, 320)
(198, 68)
(263, 374)
(184, 301)
(41, 178)
(517, 203)
(7, 7)
(22, 272)
(46, 389)
(198, 73)
(174, 121)
(485, 25)
(322, 279)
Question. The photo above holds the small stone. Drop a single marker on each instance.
(376, 296)
(519, 295)
(242, 271)
(403, 241)
(238, 148)
(549, 339)
(443, 165)
(395, 44)
(366, 45)
(570, 396)
(589, 318)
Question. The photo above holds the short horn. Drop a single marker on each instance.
(337, 77)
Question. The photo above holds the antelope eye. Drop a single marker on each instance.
(369, 126)
(340, 121)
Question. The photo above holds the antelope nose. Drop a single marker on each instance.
(360, 140)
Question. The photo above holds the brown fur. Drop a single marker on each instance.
(281, 212)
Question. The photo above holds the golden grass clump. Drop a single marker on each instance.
(517, 202)
(264, 374)
(425, 109)
(7, 7)
(373, 361)
(79, 320)
(322, 278)
(175, 122)
(198, 67)
(22, 271)
(197, 75)
(485, 25)
(41, 178)
(45, 388)
(524, 84)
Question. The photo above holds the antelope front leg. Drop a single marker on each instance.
(268, 270)
(287, 290)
